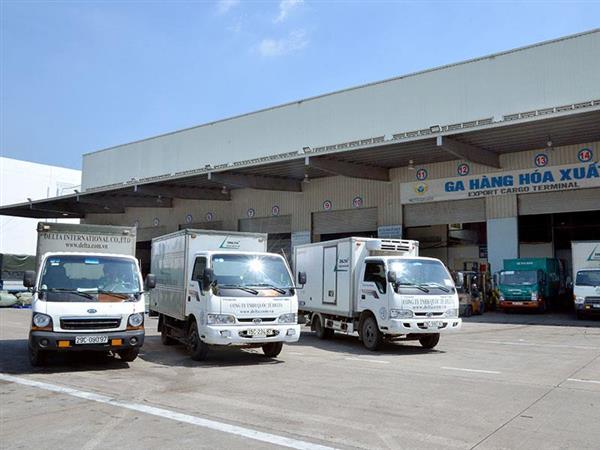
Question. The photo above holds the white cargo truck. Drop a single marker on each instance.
(379, 288)
(88, 292)
(222, 289)
(586, 277)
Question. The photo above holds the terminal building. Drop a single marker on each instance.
(482, 160)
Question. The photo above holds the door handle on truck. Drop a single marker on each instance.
(363, 296)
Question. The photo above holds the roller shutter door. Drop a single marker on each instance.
(345, 221)
(217, 225)
(559, 202)
(279, 224)
(438, 213)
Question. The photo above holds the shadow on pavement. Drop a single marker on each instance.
(176, 355)
(551, 318)
(14, 360)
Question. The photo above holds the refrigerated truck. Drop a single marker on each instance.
(586, 277)
(379, 288)
(88, 292)
(222, 289)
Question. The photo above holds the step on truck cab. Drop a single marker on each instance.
(222, 289)
(88, 292)
(379, 288)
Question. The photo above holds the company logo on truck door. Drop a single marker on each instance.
(595, 255)
(230, 243)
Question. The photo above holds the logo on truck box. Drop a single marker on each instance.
(594, 255)
(230, 243)
(88, 241)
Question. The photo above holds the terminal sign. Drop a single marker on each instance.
(557, 178)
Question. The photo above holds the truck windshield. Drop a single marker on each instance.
(518, 277)
(588, 278)
(426, 274)
(251, 271)
(82, 276)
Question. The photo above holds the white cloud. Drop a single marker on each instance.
(286, 7)
(295, 41)
(223, 6)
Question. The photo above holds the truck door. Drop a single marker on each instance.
(374, 290)
(330, 275)
(196, 300)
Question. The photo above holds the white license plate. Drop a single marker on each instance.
(596, 305)
(517, 303)
(433, 324)
(91, 340)
(257, 332)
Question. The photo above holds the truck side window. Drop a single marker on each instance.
(375, 273)
(199, 266)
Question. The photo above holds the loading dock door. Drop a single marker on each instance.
(559, 202)
(344, 221)
(279, 230)
(438, 213)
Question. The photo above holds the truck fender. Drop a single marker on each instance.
(313, 318)
(363, 315)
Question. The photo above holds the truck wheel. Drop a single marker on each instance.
(37, 357)
(272, 349)
(370, 334)
(469, 311)
(320, 330)
(430, 341)
(543, 307)
(128, 355)
(198, 349)
(579, 315)
(165, 339)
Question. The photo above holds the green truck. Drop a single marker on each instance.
(531, 283)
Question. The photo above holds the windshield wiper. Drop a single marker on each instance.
(270, 286)
(437, 285)
(70, 291)
(421, 288)
(237, 286)
(123, 295)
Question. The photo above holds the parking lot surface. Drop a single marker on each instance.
(504, 381)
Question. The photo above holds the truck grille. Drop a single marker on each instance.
(592, 299)
(93, 323)
(425, 314)
(262, 319)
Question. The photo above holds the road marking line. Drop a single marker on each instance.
(527, 344)
(472, 370)
(368, 360)
(583, 381)
(168, 414)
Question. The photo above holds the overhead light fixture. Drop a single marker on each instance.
(411, 164)
(29, 200)
(224, 190)
(159, 199)
(549, 144)
(435, 128)
(65, 214)
(306, 178)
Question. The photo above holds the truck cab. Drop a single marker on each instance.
(86, 301)
(586, 293)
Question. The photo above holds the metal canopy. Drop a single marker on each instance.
(286, 174)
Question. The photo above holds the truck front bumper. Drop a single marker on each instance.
(588, 308)
(423, 326)
(241, 335)
(61, 341)
(524, 304)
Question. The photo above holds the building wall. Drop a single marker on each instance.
(20, 180)
(540, 76)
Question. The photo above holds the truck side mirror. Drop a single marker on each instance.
(150, 281)
(208, 276)
(29, 279)
(392, 277)
(302, 278)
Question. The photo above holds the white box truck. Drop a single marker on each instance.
(88, 292)
(380, 288)
(218, 288)
(586, 277)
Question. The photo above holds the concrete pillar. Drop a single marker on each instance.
(502, 241)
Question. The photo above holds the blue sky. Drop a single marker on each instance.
(82, 76)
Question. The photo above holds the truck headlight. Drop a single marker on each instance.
(401, 314)
(41, 320)
(579, 300)
(501, 298)
(534, 295)
(220, 319)
(136, 320)
(288, 318)
(451, 313)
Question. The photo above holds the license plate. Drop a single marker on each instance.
(257, 332)
(433, 324)
(517, 303)
(596, 305)
(91, 340)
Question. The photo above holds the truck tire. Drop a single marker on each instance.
(272, 349)
(129, 355)
(320, 330)
(579, 315)
(37, 357)
(430, 341)
(198, 349)
(370, 334)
